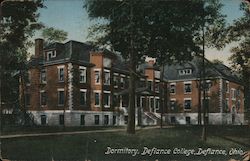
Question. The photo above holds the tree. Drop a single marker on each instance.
(51, 35)
(239, 32)
(152, 28)
(18, 23)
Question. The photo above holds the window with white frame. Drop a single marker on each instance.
(60, 73)
(83, 97)
(106, 97)
(187, 87)
(60, 96)
(172, 88)
(185, 72)
(187, 103)
(51, 54)
(106, 77)
(97, 98)
(226, 106)
(233, 94)
(97, 76)
(143, 102)
(43, 76)
(82, 74)
(238, 92)
(43, 98)
(29, 77)
(157, 103)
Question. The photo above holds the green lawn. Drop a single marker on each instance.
(93, 146)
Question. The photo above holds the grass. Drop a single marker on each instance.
(93, 145)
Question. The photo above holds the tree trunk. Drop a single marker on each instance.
(132, 84)
(162, 98)
(131, 110)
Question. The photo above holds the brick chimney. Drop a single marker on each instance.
(38, 48)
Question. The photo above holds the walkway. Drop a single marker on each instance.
(72, 132)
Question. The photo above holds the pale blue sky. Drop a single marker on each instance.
(70, 16)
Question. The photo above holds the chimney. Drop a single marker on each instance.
(38, 48)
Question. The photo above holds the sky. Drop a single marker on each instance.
(71, 16)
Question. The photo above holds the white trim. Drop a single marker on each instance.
(187, 82)
(122, 75)
(106, 91)
(83, 90)
(82, 67)
(116, 74)
(60, 66)
(60, 89)
(173, 83)
(187, 99)
(173, 99)
(106, 70)
(156, 80)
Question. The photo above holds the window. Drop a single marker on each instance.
(83, 96)
(227, 86)
(172, 104)
(122, 82)
(173, 120)
(106, 77)
(126, 82)
(106, 119)
(152, 103)
(187, 87)
(115, 80)
(51, 54)
(106, 95)
(82, 74)
(233, 94)
(29, 77)
(43, 119)
(172, 88)
(43, 76)
(157, 103)
(185, 72)
(97, 98)
(238, 92)
(97, 119)
(188, 120)
(61, 73)
(150, 84)
(187, 104)
(82, 120)
(43, 98)
(27, 99)
(60, 97)
(226, 104)
(97, 77)
(61, 119)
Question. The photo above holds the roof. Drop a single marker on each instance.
(171, 72)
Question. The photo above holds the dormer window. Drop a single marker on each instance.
(185, 72)
(51, 54)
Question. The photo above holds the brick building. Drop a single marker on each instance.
(224, 93)
(74, 84)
